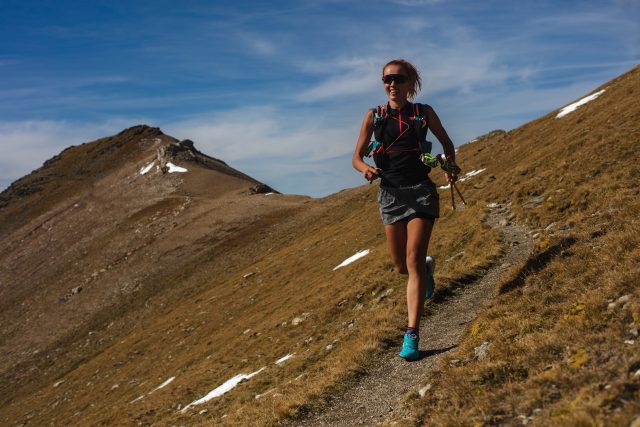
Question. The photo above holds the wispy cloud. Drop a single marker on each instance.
(460, 63)
(347, 83)
(257, 43)
(265, 133)
(415, 24)
(25, 141)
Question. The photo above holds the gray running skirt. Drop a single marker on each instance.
(404, 203)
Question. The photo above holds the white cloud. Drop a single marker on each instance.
(459, 61)
(317, 178)
(414, 23)
(342, 85)
(264, 132)
(24, 142)
(257, 43)
(346, 76)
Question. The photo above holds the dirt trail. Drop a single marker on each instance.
(376, 396)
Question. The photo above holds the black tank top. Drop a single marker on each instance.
(401, 164)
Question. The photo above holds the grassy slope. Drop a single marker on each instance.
(563, 345)
(201, 337)
(225, 324)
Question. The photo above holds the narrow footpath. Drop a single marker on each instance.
(376, 397)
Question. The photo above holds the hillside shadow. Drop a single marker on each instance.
(444, 293)
(434, 352)
(537, 263)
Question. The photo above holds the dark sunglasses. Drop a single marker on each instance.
(398, 78)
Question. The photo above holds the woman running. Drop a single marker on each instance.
(408, 199)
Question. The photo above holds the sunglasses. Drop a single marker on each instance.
(398, 78)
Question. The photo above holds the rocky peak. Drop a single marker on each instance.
(142, 131)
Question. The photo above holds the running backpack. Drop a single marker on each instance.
(377, 146)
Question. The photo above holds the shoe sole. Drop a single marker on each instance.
(411, 358)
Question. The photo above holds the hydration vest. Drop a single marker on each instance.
(420, 125)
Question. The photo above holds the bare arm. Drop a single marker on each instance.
(438, 130)
(366, 130)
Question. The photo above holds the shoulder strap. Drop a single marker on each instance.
(380, 119)
(420, 121)
(379, 115)
(421, 127)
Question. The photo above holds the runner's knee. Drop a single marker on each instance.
(414, 261)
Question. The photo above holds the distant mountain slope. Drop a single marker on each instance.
(78, 168)
(88, 235)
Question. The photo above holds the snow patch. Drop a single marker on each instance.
(465, 177)
(284, 359)
(173, 168)
(164, 384)
(146, 168)
(572, 107)
(222, 389)
(136, 399)
(472, 173)
(352, 258)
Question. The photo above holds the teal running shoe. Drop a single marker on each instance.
(431, 283)
(410, 350)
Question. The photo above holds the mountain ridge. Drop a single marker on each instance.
(78, 168)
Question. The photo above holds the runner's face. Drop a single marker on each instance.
(397, 92)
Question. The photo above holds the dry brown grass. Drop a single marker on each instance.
(201, 337)
(557, 331)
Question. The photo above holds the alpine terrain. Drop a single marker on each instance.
(143, 282)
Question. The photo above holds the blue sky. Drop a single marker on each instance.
(278, 89)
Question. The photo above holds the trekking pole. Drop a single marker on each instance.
(450, 168)
(453, 202)
(453, 184)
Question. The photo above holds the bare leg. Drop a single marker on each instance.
(418, 235)
(397, 245)
(407, 243)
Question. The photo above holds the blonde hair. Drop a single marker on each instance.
(412, 74)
